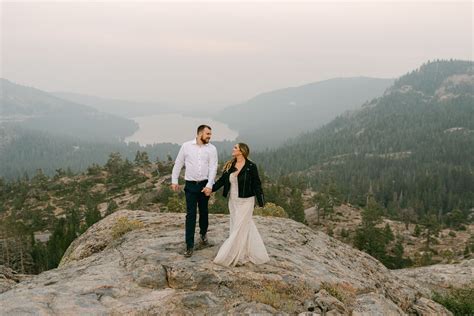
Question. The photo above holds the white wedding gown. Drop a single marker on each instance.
(244, 243)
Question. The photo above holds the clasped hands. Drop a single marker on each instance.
(207, 191)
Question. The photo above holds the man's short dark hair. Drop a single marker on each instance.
(202, 127)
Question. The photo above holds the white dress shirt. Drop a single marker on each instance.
(200, 162)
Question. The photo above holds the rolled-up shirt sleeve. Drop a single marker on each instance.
(178, 165)
(212, 168)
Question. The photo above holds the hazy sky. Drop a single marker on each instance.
(222, 53)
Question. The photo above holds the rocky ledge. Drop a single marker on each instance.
(442, 277)
(108, 271)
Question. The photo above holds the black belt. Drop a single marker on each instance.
(196, 182)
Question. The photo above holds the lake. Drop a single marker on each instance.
(176, 128)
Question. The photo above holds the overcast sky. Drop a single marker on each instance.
(222, 53)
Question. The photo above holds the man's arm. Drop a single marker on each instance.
(178, 165)
(212, 171)
(211, 177)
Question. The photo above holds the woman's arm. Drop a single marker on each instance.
(257, 187)
(219, 183)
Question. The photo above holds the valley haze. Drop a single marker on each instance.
(359, 115)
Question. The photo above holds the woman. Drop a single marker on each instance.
(240, 178)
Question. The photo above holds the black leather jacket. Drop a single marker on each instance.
(249, 182)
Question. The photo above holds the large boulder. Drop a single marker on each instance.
(442, 277)
(144, 271)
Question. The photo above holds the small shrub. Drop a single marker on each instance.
(447, 255)
(93, 170)
(123, 225)
(218, 205)
(344, 233)
(458, 301)
(270, 209)
(279, 294)
(143, 200)
(467, 251)
(176, 204)
(330, 231)
(417, 231)
(344, 292)
(111, 207)
(163, 195)
(452, 234)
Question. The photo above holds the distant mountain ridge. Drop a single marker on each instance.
(125, 108)
(33, 109)
(28, 101)
(273, 117)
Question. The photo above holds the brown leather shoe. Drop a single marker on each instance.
(204, 240)
(188, 253)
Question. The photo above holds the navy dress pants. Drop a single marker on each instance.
(195, 199)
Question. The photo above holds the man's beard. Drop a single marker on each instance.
(205, 140)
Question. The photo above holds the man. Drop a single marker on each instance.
(200, 160)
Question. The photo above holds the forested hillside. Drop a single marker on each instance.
(413, 148)
(23, 151)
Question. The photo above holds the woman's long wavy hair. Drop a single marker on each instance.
(244, 148)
